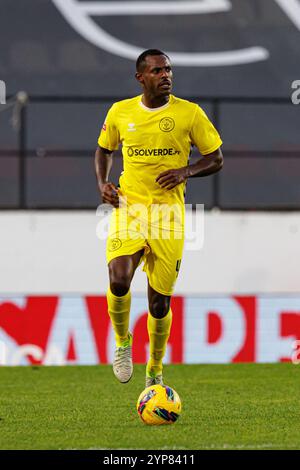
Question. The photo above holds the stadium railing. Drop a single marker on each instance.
(222, 111)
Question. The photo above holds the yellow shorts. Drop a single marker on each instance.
(162, 249)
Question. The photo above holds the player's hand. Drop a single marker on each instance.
(171, 178)
(109, 193)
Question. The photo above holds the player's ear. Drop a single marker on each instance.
(139, 77)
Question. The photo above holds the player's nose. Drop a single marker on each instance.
(165, 76)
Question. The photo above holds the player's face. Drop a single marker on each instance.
(157, 76)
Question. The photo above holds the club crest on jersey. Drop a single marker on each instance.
(167, 124)
(104, 127)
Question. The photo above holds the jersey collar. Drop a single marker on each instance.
(154, 109)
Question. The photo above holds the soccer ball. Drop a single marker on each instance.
(159, 404)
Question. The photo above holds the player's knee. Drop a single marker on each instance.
(119, 285)
(159, 307)
(120, 279)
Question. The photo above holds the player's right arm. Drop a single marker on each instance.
(108, 141)
(103, 164)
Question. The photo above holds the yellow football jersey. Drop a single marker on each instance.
(155, 140)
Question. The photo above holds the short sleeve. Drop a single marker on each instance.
(109, 137)
(203, 133)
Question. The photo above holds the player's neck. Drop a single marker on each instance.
(155, 101)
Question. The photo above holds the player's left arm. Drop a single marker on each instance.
(207, 165)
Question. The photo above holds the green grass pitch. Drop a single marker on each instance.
(235, 406)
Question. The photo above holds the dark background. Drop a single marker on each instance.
(43, 55)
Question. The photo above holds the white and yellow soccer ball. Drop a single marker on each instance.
(159, 404)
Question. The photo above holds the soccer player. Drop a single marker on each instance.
(156, 130)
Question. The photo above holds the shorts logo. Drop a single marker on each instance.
(114, 244)
(167, 124)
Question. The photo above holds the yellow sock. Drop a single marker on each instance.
(159, 332)
(119, 310)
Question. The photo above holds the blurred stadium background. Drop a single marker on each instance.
(64, 63)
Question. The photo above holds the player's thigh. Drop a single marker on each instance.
(122, 268)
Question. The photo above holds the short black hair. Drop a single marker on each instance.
(140, 63)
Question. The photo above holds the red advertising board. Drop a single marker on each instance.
(76, 330)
